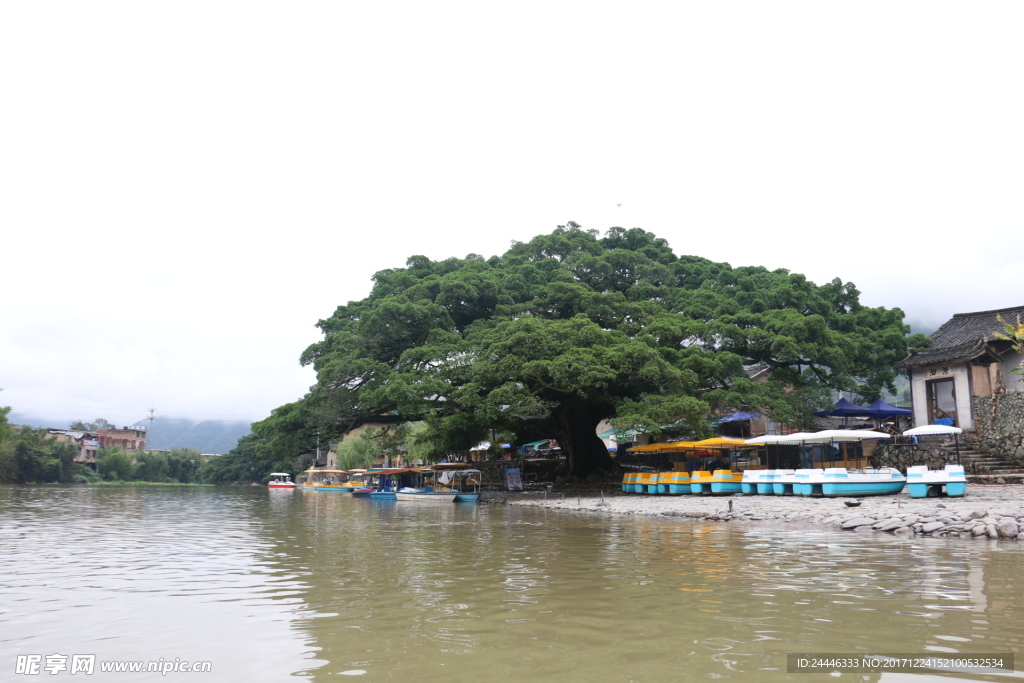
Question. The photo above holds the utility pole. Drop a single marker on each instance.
(149, 434)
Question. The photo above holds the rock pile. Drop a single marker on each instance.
(986, 512)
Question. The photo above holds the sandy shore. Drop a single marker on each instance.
(985, 512)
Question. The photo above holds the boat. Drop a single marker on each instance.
(700, 482)
(724, 482)
(391, 480)
(782, 483)
(324, 480)
(867, 482)
(679, 483)
(920, 480)
(752, 479)
(283, 481)
(424, 496)
(808, 482)
(765, 484)
(356, 481)
(457, 477)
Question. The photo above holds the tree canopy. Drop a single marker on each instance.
(573, 327)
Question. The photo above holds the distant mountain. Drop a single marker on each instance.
(208, 436)
(24, 419)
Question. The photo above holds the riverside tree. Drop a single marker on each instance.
(573, 327)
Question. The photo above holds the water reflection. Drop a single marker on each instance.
(268, 584)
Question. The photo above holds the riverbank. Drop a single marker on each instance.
(990, 512)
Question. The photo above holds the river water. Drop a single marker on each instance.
(268, 585)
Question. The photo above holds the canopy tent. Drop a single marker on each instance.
(842, 408)
(879, 410)
(533, 444)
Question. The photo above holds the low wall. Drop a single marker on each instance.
(999, 424)
(934, 451)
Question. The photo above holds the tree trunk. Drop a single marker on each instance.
(585, 453)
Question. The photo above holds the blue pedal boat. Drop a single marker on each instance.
(868, 482)
(951, 478)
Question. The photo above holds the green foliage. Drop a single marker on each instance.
(33, 457)
(918, 341)
(571, 328)
(180, 465)
(115, 464)
(1015, 335)
(100, 423)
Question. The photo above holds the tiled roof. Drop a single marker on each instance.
(962, 337)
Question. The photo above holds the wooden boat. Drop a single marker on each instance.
(283, 481)
(868, 482)
(423, 496)
(920, 480)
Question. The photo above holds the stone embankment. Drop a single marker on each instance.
(985, 512)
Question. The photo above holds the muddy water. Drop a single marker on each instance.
(267, 585)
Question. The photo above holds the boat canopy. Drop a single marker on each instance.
(933, 430)
(280, 474)
(650, 448)
(719, 442)
(834, 435)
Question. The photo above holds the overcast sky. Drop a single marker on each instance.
(187, 187)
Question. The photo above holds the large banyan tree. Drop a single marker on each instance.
(571, 328)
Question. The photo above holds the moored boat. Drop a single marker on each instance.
(868, 482)
(751, 479)
(726, 482)
(700, 482)
(765, 483)
(422, 496)
(808, 482)
(951, 478)
(782, 483)
(324, 480)
(679, 483)
(456, 477)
